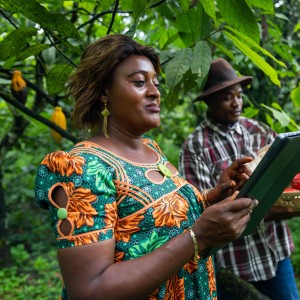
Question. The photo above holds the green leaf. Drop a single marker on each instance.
(266, 5)
(138, 7)
(184, 5)
(223, 49)
(297, 27)
(270, 121)
(178, 66)
(295, 96)
(57, 78)
(278, 114)
(239, 16)
(258, 60)
(250, 112)
(171, 99)
(201, 59)
(284, 51)
(243, 38)
(72, 47)
(34, 11)
(15, 42)
(166, 11)
(193, 25)
(282, 16)
(210, 9)
(32, 50)
(131, 31)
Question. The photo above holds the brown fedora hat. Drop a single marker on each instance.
(220, 76)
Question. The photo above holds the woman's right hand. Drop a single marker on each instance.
(223, 222)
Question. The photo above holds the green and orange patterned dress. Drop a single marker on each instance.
(110, 196)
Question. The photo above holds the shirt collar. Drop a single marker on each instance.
(220, 129)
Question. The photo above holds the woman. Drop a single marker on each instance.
(128, 226)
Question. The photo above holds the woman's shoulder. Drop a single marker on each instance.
(63, 162)
(70, 160)
(72, 167)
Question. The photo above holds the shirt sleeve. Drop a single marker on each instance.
(193, 168)
(90, 212)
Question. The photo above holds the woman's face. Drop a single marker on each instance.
(133, 97)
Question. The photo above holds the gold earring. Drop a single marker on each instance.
(105, 113)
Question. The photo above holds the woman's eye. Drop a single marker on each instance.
(139, 82)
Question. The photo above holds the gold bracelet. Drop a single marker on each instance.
(193, 236)
(205, 195)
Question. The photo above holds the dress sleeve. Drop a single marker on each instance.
(90, 212)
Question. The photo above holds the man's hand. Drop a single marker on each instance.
(277, 213)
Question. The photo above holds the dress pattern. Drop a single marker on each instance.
(108, 196)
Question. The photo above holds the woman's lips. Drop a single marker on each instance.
(153, 108)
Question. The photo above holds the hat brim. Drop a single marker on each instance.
(242, 80)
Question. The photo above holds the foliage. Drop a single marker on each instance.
(30, 277)
(44, 39)
(294, 226)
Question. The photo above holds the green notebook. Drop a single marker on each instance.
(269, 179)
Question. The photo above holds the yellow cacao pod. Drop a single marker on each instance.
(18, 87)
(59, 118)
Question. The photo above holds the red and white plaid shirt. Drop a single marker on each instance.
(206, 153)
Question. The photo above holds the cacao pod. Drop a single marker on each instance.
(18, 87)
(58, 118)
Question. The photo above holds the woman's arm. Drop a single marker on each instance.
(89, 271)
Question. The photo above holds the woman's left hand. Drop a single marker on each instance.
(232, 179)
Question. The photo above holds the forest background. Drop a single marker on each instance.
(44, 40)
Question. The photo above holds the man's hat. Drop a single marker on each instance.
(220, 76)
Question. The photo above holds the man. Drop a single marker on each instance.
(263, 257)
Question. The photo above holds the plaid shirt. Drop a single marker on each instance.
(208, 151)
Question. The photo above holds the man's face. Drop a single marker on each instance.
(225, 106)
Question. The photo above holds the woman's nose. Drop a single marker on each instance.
(153, 90)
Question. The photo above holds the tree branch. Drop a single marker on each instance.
(32, 85)
(54, 45)
(39, 118)
(113, 17)
(100, 15)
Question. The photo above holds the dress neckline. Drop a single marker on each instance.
(95, 145)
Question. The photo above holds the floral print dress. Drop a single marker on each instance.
(112, 197)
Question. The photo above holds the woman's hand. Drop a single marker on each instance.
(231, 180)
(223, 222)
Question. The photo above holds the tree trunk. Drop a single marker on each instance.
(4, 249)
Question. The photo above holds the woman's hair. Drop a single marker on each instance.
(95, 74)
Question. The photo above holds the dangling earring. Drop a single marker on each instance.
(105, 113)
